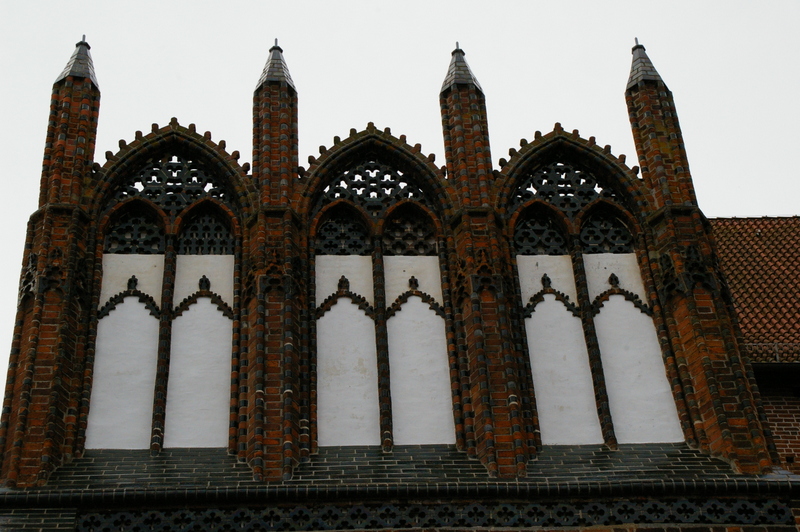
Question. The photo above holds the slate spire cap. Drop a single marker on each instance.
(642, 68)
(459, 72)
(80, 64)
(276, 69)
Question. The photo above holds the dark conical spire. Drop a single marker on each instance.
(459, 72)
(80, 64)
(642, 68)
(275, 69)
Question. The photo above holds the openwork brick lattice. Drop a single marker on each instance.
(563, 185)
(605, 234)
(373, 185)
(134, 233)
(205, 235)
(409, 233)
(539, 235)
(173, 183)
(405, 515)
(343, 234)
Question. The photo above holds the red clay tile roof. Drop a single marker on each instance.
(760, 258)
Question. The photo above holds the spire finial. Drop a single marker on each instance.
(275, 69)
(642, 68)
(80, 64)
(459, 72)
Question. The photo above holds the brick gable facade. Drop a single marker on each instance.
(562, 230)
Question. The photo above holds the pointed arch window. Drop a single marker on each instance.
(380, 300)
(166, 310)
(589, 329)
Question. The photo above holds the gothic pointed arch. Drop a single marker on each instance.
(342, 229)
(604, 326)
(568, 171)
(605, 228)
(393, 258)
(539, 229)
(207, 228)
(135, 227)
(409, 230)
(173, 166)
(374, 169)
(171, 205)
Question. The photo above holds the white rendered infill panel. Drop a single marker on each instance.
(356, 268)
(639, 396)
(347, 377)
(199, 385)
(558, 268)
(118, 268)
(640, 399)
(422, 404)
(600, 266)
(190, 268)
(562, 377)
(124, 377)
(399, 269)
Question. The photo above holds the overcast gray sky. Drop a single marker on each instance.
(733, 67)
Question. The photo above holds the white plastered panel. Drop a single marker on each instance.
(118, 268)
(347, 377)
(562, 378)
(199, 386)
(531, 268)
(422, 404)
(124, 376)
(398, 270)
(641, 402)
(357, 269)
(600, 266)
(217, 268)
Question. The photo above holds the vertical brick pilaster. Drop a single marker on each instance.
(492, 403)
(274, 367)
(37, 430)
(701, 330)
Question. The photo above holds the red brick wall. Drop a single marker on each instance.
(783, 414)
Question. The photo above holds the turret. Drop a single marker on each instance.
(72, 129)
(657, 134)
(466, 132)
(275, 130)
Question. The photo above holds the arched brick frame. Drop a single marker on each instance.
(633, 208)
(178, 140)
(438, 207)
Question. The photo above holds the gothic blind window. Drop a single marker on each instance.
(559, 356)
(404, 260)
(165, 318)
(126, 354)
(565, 354)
